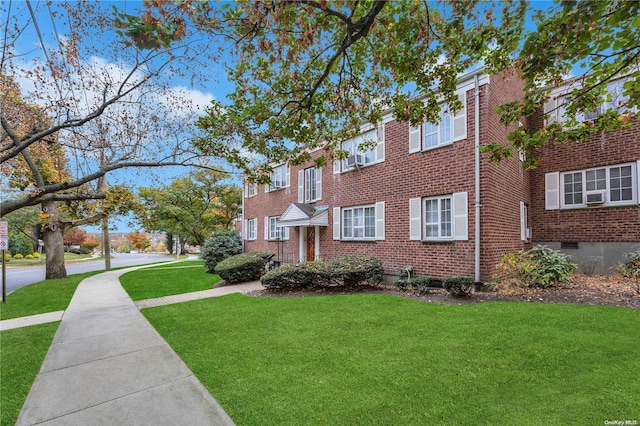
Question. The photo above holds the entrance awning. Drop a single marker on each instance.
(300, 214)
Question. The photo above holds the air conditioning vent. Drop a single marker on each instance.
(596, 197)
(355, 160)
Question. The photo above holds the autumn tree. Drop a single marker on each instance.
(307, 74)
(75, 236)
(96, 106)
(139, 240)
(108, 105)
(191, 207)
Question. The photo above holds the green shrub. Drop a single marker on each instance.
(243, 267)
(458, 286)
(18, 256)
(421, 283)
(631, 269)
(295, 275)
(416, 283)
(538, 267)
(29, 256)
(356, 269)
(20, 243)
(221, 245)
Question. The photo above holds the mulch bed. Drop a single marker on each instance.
(609, 290)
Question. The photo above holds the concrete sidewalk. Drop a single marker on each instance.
(108, 366)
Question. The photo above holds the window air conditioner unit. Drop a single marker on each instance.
(595, 197)
(355, 160)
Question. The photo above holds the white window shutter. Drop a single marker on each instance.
(266, 228)
(460, 217)
(266, 188)
(301, 186)
(380, 146)
(246, 190)
(336, 167)
(245, 225)
(552, 191)
(415, 219)
(550, 108)
(460, 119)
(319, 183)
(638, 178)
(336, 223)
(523, 221)
(285, 233)
(380, 220)
(415, 142)
(288, 177)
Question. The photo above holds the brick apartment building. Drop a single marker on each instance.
(426, 197)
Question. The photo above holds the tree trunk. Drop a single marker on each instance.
(53, 238)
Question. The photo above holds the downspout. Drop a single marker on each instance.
(477, 177)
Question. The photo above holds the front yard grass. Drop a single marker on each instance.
(42, 297)
(22, 351)
(377, 359)
(167, 280)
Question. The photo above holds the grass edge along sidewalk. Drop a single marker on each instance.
(22, 352)
(387, 360)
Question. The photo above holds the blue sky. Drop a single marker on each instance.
(52, 28)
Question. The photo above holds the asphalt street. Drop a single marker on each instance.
(18, 277)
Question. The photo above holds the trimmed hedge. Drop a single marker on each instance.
(458, 286)
(356, 269)
(243, 267)
(346, 271)
(294, 275)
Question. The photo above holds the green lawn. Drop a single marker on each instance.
(375, 359)
(22, 351)
(167, 280)
(41, 297)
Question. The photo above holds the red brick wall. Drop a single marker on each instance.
(442, 171)
(504, 185)
(593, 224)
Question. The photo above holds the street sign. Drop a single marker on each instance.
(4, 235)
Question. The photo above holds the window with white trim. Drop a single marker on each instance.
(438, 134)
(251, 189)
(310, 184)
(277, 232)
(439, 218)
(556, 112)
(359, 223)
(606, 186)
(279, 178)
(252, 229)
(450, 127)
(352, 146)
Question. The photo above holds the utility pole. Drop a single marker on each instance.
(106, 248)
